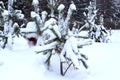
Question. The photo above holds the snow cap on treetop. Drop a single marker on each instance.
(44, 13)
(61, 7)
(35, 2)
(2, 5)
(20, 16)
(33, 14)
(72, 6)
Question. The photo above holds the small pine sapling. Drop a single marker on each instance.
(57, 38)
(10, 29)
(97, 32)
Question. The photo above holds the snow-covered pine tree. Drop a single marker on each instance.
(90, 19)
(95, 30)
(101, 33)
(10, 28)
(58, 39)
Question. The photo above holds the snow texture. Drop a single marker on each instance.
(23, 64)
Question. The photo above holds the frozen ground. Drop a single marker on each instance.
(22, 63)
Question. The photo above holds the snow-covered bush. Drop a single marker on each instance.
(57, 39)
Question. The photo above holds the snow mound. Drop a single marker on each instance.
(20, 43)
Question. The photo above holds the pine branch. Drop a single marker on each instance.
(27, 32)
(84, 56)
(37, 52)
(84, 63)
(6, 40)
(48, 59)
(61, 68)
(47, 47)
(84, 37)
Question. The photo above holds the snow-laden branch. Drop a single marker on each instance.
(45, 47)
(69, 13)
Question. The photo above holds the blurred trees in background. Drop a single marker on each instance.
(109, 8)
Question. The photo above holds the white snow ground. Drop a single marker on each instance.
(22, 63)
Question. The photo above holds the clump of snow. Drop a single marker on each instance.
(72, 7)
(61, 7)
(15, 25)
(35, 2)
(34, 15)
(44, 15)
(5, 13)
(50, 23)
(30, 30)
(31, 27)
(19, 14)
